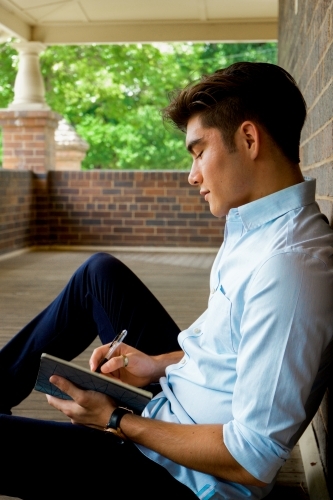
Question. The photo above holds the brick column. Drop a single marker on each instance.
(306, 50)
(28, 139)
(28, 123)
(70, 147)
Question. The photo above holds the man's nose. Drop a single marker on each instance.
(194, 177)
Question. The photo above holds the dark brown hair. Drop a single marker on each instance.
(261, 92)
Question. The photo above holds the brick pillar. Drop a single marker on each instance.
(306, 50)
(70, 147)
(28, 139)
(28, 123)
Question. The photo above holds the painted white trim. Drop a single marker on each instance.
(232, 30)
(15, 253)
(313, 469)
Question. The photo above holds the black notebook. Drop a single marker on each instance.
(125, 395)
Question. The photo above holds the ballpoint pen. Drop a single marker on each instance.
(113, 346)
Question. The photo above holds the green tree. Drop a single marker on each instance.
(113, 94)
(8, 70)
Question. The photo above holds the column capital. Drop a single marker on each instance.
(28, 47)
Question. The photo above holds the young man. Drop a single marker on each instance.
(250, 371)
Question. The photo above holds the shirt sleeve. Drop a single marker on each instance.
(285, 327)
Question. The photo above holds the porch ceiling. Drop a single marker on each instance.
(113, 21)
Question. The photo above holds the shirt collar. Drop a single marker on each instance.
(271, 207)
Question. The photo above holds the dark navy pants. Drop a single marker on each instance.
(102, 298)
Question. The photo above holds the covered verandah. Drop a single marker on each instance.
(33, 204)
(41, 206)
(179, 280)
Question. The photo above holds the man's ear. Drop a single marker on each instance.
(250, 138)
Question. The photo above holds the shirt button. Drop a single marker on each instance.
(212, 291)
(183, 361)
(197, 330)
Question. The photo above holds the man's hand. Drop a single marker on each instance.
(89, 408)
(141, 369)
(198, 447)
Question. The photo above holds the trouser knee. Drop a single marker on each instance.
(101, 260)
(101, 265)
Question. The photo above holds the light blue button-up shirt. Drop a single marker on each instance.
(251, 360)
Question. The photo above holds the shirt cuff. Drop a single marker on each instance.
(259, 455)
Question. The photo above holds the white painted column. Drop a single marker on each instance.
(29, 90)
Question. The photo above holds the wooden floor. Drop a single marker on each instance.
(180, 281)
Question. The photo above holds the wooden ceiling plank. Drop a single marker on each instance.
(202, 7)
(40, 12)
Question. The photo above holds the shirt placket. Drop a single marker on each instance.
(234, 229)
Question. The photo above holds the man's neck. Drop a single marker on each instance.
(273, 171)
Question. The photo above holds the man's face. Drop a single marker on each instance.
(223, 177)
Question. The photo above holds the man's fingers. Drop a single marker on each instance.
(97, 355)
(66, 386)
(87, 407)
(100, 352)
(113, 364)
(67, 407)
(59, 404)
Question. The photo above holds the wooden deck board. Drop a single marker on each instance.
(180, 281)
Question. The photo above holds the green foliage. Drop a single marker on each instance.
(8, 70)
(113, 94)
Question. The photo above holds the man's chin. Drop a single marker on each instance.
(218, 213)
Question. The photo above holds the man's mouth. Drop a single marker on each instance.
(204, 193)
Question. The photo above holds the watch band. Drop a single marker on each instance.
(116, 416)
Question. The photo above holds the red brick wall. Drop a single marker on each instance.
(306, 50)
(104, 208)
(129, 208)
(28, 139)
(16, 210)
(41, 222)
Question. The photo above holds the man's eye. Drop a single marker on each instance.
(199, 155)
